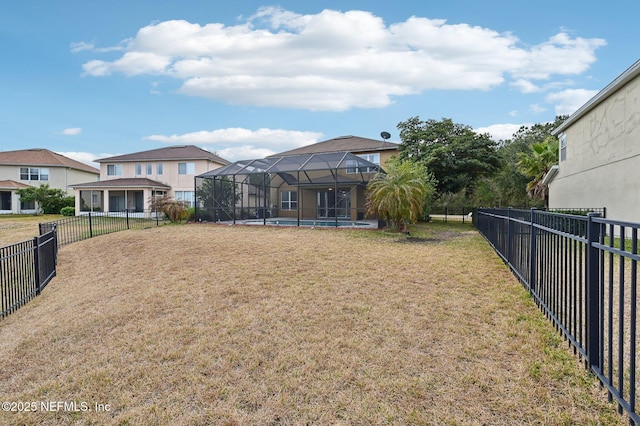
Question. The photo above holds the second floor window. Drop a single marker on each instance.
(114, 170)
(34, 173)
(149, 169)
(186, 168)
(159, 168)
(138, 169)
(372, 158)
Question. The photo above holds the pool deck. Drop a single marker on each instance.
(310, 223)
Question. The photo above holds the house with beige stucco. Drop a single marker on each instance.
(35, 167)
(129, 182)
(599, 159)
(324, 182)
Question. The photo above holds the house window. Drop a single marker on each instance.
(186, 196)
(186, 168)
(352, 165)
(149, 169)
(27, 205)
(138, 169)
(159, 168)
(563, 146)
(34, 173)
(289, 200)
(114, 170)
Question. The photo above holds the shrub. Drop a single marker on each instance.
(68, 211)
(176, 211)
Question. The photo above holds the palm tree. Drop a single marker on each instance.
(399, 196)
(536, 164)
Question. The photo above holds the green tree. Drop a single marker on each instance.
(400, 195)
(218, 197)
(48, 200)
(508, 186)
(455, 155)
(536, 164)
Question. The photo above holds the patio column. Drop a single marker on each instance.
(105, 201)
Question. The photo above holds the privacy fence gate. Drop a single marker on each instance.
(582, 272)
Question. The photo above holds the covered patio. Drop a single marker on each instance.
(320, 189)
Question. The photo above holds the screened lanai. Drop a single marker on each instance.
(322, 188)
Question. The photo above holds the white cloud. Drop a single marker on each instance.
(568, 101)
(81, 46)
(85, 157)
(240, 144)
(525, 86)
(72, 131)
(536, 109)
(338, 60)
(501, 131)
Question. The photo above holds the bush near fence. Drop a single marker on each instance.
(27, 267)
(582, 273)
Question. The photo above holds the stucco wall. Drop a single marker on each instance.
(602, 164)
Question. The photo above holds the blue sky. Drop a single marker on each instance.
(246, 79)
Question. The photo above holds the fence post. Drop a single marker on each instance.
(36, 264)
(90, 227)
(533, 256)
(593, 292)
(509, 236)
(127, 214)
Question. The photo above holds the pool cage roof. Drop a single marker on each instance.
(295, 163)
(245, 188)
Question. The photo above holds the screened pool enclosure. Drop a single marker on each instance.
(327, 188)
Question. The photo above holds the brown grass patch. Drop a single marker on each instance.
(19, 228)
(206, 324)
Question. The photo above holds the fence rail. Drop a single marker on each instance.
(92, 224)
(25, 270)
(582, 272)
(27, 267)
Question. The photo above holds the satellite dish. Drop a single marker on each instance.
(385, 135)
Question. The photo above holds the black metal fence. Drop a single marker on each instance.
(92, 224)
(446, 214)
(27, 267)
(582, 272)
(25, 270)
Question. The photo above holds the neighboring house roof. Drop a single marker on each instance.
(41, 157)
(123, 183)
(182, 152)
(631, 73)
(12, 184)
(342, 143)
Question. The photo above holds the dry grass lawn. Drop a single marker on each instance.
(18, 228)
(206, 324)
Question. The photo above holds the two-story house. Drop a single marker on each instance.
(324, 181)
(33, 167)
(600, 152)
(130, 181)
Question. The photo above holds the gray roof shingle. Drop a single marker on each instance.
(40, 157)
(182, 152)
(123, 183)
(352, 144)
